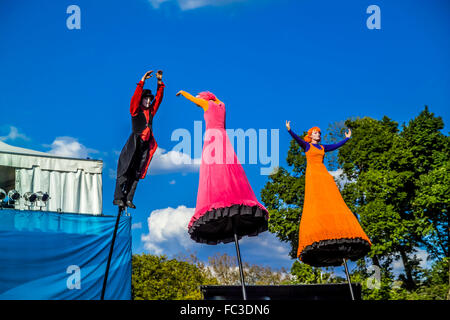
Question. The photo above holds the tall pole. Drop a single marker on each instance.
(348, 279)
(105, 279)
(238, 253)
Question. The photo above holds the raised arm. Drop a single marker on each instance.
(199, 102)
(136, 99)
(159, 93)
(299, 140)
(332, 147)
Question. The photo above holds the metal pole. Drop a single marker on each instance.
(236, 242)
(105, 280)
(348, 279)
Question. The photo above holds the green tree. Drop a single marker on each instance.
(159, 278)
(376, 283)
(377, 164)
(305, 274)
(435, 285)
(224, 268)
(400, 190)
(430, 195)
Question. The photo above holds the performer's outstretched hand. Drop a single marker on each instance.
(288, 125)
(148, 75)
(348, 134)
(178, 93)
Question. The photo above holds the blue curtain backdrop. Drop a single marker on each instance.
(48, 255)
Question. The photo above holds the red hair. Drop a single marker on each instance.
(307, 138)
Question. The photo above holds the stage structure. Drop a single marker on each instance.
(55, 242)
(63, 256)
(333, 292)
(73, 185)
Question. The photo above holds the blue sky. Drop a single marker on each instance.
(311, 62)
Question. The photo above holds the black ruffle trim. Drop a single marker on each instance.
(216, 226)
(332, 252)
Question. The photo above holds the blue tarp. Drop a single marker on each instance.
(49, 255)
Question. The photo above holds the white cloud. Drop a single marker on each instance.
(423, 257)
(172, 161)
(340, 177)
(136, 226)
(421, 254)
(112, 174)
(157, 3)
(193, 4)
(13, 135)
(267, 245)
(336, 173)
(397, 266)
(162, 163)
(168, 228)
(69, 147)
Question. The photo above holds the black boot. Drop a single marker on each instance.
(119, 203)
(131, 204)
(130, 195)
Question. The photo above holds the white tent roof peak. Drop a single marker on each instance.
(23, 151)
(25, 158)
(6, 148)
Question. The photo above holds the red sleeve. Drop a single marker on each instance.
(136, 99)
(158, 98)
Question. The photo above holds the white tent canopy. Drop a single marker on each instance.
(74, 185)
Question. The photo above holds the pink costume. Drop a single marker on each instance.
(224, 193)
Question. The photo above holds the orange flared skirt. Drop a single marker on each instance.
(329, 232)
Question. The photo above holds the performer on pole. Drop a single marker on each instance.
(225, 200)
(226, 208)
(329, 232)
(141, 145)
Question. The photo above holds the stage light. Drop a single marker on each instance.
(2, 194)
(30, 196)
(42, 196)
(13, 195)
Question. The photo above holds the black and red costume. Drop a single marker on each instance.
(138, 151)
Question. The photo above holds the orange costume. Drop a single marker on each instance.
(329, 232)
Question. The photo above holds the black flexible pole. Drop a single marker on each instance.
(241, 271)
(348, 279)
(105, 280)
